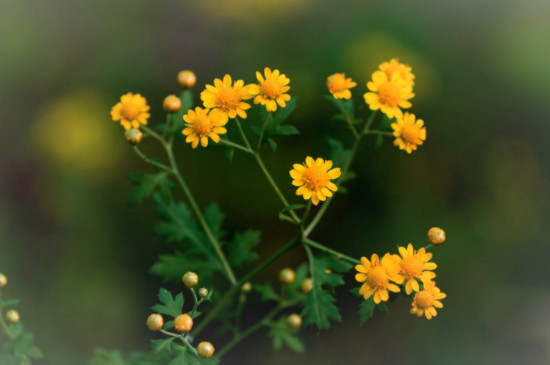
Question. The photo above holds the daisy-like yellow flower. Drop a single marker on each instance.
(227, 96)
(415, 265)
(202, 124)
(388, 94)
(313, 178)
(409, 133)
(131, 111)
(394, 67)
(339, 85)
(271, 89)
(378, 276)
(425, 301)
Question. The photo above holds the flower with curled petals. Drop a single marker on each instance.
(313, 179)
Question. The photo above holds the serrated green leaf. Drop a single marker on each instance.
(283, 335)
(266, 292)
(171, 267)
(293, 207)
(275, 127)
(271, 143)
(163, 345)
(382, 307)
(214, 217)
(240, 249)
(170, 306)
(287, 130)
(366, 310)
(146, 185)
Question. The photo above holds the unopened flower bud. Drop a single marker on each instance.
(307, 285)
(205, 349)
(12, 316)
(187, 79)
(3, 280)
(436, 236)
(190, 279)
(247, 287)
(183, 323)
(294, 320)
(171, 103)
(203, 292)
(287, 276)
(155, 322)
(133, 136)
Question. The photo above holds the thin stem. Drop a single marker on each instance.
(323, 248)
(152, 133)
(243, 136)
(349, 118)
(266, 121)
(345, 170)
(382, 133)
(7, 330)
(306, 214)
(235, 145)
(168, 333)
(196, 303)
(151, 161)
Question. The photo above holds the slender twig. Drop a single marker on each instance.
(151, 161)
(235, 145)
(323, 248)
(382, 133)
(260, 140)
(349, 118)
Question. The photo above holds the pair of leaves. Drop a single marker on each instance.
(275, 124)
(283, 335)
(147, 184)
(319, 307)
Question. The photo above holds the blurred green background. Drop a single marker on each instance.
(78, 256)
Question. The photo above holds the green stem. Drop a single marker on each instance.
(349, 118)
(151, 161)
(7, 330)
(323, 248)
(235, 145)
(266, 121)
(196, 303)
(382, 133)
(152, 133)
(345, 170)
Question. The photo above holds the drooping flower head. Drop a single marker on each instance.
(388, 94)
(227, 96)
(271, 89)
(202, 124)
(415, 265)
(339, 85)
(409, 133)
(313, 179)
(394, 67)
(426, 301)
(378, 276)
(131, 111)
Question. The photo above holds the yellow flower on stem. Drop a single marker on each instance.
(414, 265)
(313, 179)
(378, 277)
(388, 95)
(425, 301)
(339, 86)
(409, 133)
(131, 111)
(227, 96)
(271, 89)
(394, 67)
(202, 124)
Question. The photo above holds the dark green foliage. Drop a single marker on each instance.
(241, 248)
(170, 306)
(147, 184)
(283, 335)
(275, 125)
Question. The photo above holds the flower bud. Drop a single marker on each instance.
(287, 276)
(155, 322)
(171, 103)
(436, 236)
(3, 280)
(205, 349)
(190, 279)
(183, 323)
(307, 285)
(247, 287)
(203, 292)
(187, 79)
(12, 316)
(133, 136)
(294, 320)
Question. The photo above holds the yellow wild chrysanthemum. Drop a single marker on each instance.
(378, 276)
(394, 67)
(414, 265)
(227, 96)
(409, 133)
(425, 301)
(339, 85)
(388, 95)
(271, 89)
(313, 178)
(131, 111)
(202, 124)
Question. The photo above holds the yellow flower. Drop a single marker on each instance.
(415, 265)
(271, 89)
(377, 277)
(427, 300)
(313, 178)
(202, 124)
(388, 95)
(409, 134)
(339, 85)
(132, 110)
(227, 96)
(394, 67)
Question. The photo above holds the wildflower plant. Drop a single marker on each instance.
(305, 295)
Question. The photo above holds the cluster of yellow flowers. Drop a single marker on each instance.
(405, 271)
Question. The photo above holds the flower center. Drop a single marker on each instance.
(130, 110)
(337, 83)
(411, 267)
(388, 93)
(202, 125)
(315, 178)
(271, 88)
(424, 299)
(410, 133)
(378, 277)
(228, 98)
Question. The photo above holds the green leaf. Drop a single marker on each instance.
(340, 157)
(214, 217)
(146, 185)
(287, 130)
(170, 306)
(171, 267)
(6, 303)
(293, 207)
(275, 127)
(366, 310)
(266, 292)
(283, 335)
(240, 249)
(382, 307)
(188, 357)
(345, 107)
(163, 345)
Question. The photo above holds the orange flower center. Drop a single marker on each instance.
(411, 267)
(315, 177)
(202, 125)
(389, 94)
(271, 88)
(130, 110)
(228, 98)
(378, 277)
(337, 83)
(424, 299)
(410, 133)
